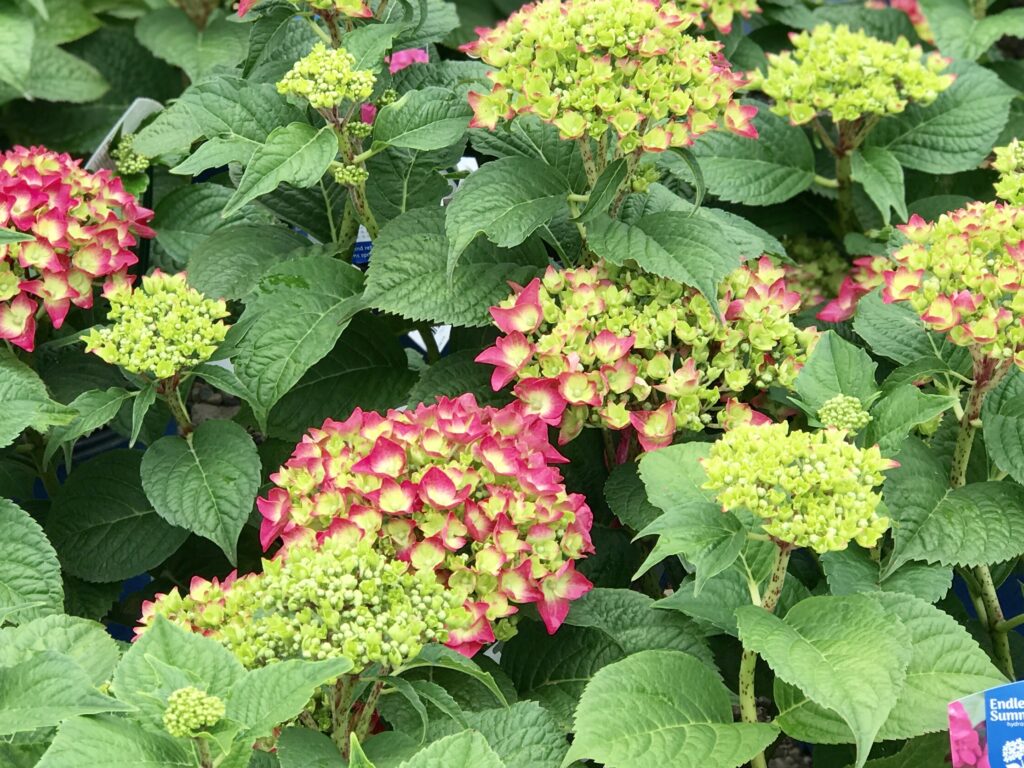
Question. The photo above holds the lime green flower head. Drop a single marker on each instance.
(341, 598)
(844, 412)
(849, 75)
(590, 66)
(190, 710)
(327, 78)
(1010, 164)
(160, 329)
(963, 275)
(810, 489)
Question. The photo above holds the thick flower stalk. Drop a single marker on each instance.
(1009, 162)
(963, 274)
(341, 597)
(80, 227)
(594, 68)
(161, 328)
(866, 275)
(617, 349)
(849, 75)
(190, 710)
(809, 489)
(466, 492)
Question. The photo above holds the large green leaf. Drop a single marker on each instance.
(86, 643)
(848, 654)
(674, 476)
(881, 175)
(524, 735)
(954, 133)
(777, 165)
(266, 697)
(946, 664)
(1003, 418)
(296, 154)
(468, 749)
(528, 136)
(369, 44)
(853, 570)
(899, 411)
(45, 689)
(404, 179)
(103, 526)
(432, 118)
(961, 36)
(407, 272)
(917, 753)
(56, 75)
(299, 747)
(172, 36)
(507, 200)
(660, 708)
(30, 584)
(455, 374)
(24, 401)
(188, 215)
(17, 38)
(114, 742)
(836, 367)
(689, 249)
(205, 482)
(292, 320)
(228, 264)
(626, 496)
(96, 408)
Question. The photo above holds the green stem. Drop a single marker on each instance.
(588, 159)
(748, 663)
(1011, 624)
(433, 353)
(362, 208)
(987, 374)
(172, 396)
(844, 184)
(369, 707)
(330, 212)
(980, 9)
(822, 181)
(349, 229)
(203, 753)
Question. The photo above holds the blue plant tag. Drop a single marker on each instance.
(363, 247)
(986, 729)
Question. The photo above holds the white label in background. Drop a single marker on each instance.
(363, 247)
(129, 122)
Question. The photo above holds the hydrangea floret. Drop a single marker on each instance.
(866, 275)
(809, 489)
(327, 78)
(1009, 162)
(190, 710)
(844, 412)
(963, 275)
(850, 75)
(341, 597)
(81, 228)
(610, 347)
(160, 328)
(467, 492)
(721, 13)
(593, 66)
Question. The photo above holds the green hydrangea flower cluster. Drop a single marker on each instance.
(963, 274)
(844, 412)
(1009, 162)
(810, 489)
(339, 598)
(590, 66)
(128, 161)
(190, 710)
(160, 329)
(849, 74)
(616, 348)
(350, 175)
(327, 78)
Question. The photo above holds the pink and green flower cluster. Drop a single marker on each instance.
(453, 488)
(80, 228)
(849, 75)
(963, 274)
(591, 67)
(866, 275)
(1009, 162)
(340, 597)
(809, 489)
(618, 349)
(721, 13)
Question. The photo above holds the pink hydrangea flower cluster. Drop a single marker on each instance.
(466, 491)
(612, 348)
(866, 275)
(963, 274)
(82, 226)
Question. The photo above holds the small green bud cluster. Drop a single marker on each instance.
(844, 412)
(327, 78)
(1009, 162)
(129, 162)
(340, 598)
(810, 489)
(388, 97)
(359, 130)
(349, 175)
(161, 328)
(849, 75)
(190, 710)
